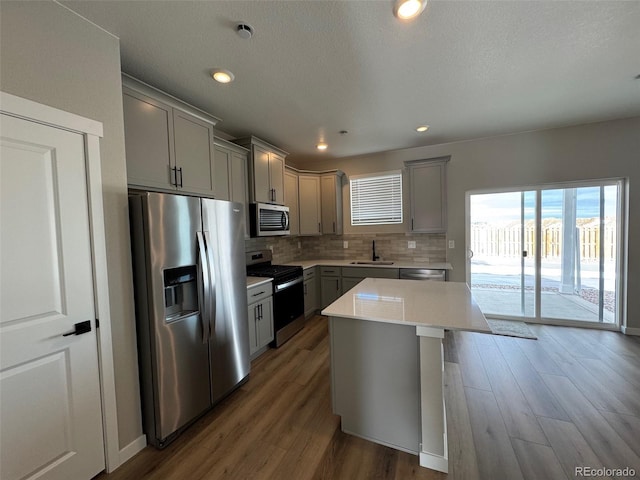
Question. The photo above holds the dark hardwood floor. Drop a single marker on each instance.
(516, 409)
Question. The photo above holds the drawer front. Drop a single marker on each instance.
(260, 292)
(370, 272)
(309, 273)
(330, 271)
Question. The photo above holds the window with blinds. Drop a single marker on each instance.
(376, 199)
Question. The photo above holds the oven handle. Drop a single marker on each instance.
(283, 286)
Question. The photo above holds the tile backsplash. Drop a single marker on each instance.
(389, 246)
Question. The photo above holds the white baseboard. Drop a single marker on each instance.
(630, 330)
(434, 462)
(132, 449)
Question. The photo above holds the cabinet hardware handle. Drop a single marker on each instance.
(412, 224)
(180, 170)
(337, 286)
(305, 288)
(173, 176)
(260, 312)
(256, 294)
(334, 227)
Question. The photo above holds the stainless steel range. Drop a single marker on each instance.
(288, 293)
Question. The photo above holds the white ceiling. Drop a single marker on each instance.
(468, 69)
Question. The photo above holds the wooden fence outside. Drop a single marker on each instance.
(491, 241)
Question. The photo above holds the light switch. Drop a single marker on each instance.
(345, 244)
(452, 244)
(411, 244)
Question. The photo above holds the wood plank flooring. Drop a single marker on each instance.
(516, 409)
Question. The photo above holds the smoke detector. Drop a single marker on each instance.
(244, 30)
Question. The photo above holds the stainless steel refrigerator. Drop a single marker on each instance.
(191, 306)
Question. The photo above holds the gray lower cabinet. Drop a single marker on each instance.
(310, 292)
(330, 285)
(351, 276)
(260, 316)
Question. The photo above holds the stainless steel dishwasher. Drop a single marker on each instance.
(423, 274)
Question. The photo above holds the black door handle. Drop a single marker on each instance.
(80, 328)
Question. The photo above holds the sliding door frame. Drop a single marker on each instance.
(621, 247)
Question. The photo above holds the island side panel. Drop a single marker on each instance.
(375, 375)
(434, 452)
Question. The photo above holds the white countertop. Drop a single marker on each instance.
(447, 305)
(347, 263)
(255, 281)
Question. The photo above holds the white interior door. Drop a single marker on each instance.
(50, 408)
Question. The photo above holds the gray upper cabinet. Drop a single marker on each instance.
(148, 141)
(266, 171)
(310, 215)
(167, 147)
(193, 153)
(331, 196)
(291, 200)
(230, 162)
(428, 194)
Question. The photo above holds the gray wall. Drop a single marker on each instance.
(594, 151)
(52, 56)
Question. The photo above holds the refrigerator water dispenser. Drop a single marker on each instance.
(180, 292)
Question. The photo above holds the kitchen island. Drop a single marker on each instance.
(387, 361)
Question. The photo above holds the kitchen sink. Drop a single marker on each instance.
(371, 262)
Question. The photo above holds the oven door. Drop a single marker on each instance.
(288, 309)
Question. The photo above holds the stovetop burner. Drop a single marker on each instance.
(259, 265)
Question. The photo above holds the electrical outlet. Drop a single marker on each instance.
(270, 247)
(345, 244)
(452, 244)
(411, 244)
(299, 245)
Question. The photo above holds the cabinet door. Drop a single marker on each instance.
(194, 153)
(276, 176)
(349, 283)
(148, 135)
(265, 322)
(291, 201)
(330, 290)
(309, 204)
(222, 163)
(310, 297)
(253, 328)
(238, 183)
(331, 196)
(261, 182)
(428, 201)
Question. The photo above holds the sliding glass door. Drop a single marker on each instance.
(546, 253)
(502, 242)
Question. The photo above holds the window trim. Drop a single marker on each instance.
(393, 174)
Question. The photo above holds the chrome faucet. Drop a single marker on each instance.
(374, 257)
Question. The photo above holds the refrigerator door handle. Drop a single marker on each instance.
(204, 300)
(212, 290)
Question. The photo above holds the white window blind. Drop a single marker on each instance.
(376, 199)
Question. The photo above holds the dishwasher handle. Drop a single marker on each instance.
(437, 275)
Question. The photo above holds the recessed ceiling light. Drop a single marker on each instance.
(408, 9)
(222, 76)
(422, 128)
(322, 146)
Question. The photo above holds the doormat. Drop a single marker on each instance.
(510, 328)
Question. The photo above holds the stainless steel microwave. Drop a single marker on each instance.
(268, 220)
